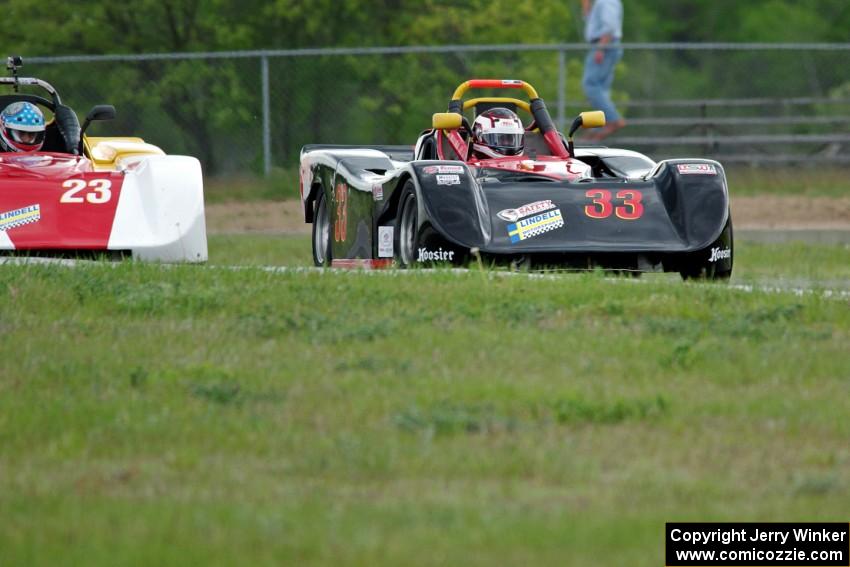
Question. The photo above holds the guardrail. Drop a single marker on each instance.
(718, 136)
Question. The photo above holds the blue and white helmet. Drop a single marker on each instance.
(21, 128)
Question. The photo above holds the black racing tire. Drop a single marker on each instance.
(699, 267)
(321, 232)
(406, 233)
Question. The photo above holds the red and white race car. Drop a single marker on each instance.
(87, 196)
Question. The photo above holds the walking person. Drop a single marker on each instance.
(603, 29)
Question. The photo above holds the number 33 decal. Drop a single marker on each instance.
(602, 207)
(99, 191)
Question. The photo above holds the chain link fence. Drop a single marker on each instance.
(250, 112)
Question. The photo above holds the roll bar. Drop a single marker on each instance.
(31, 81)
(537, 107)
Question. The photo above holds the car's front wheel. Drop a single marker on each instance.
(407, 227)
(713, 263)
(321, 232)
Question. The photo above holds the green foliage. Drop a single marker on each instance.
(211, 108)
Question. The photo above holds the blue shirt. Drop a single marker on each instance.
(605, 18)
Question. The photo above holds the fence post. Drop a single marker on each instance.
(562, 88)
(267, 129)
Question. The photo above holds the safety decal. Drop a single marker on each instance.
(535, 226)
(432, 169)
(20, 217)
(696, 169)
(378, 192)
(512, 215)
(448, 180)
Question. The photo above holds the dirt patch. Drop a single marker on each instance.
(789, 212)
(274, 217)
(759, 212)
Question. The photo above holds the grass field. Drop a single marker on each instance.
(791, 264)
(212, 416)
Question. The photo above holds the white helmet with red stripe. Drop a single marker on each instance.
(21, 128)
(498, 132)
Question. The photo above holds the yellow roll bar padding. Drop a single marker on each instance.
(592, 119)
(106, 153)
(494, 84)
(467, 104)
(446, 121)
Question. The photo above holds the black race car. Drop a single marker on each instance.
(552, 206)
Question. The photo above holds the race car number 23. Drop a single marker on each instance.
(95, 191)
(602, 207)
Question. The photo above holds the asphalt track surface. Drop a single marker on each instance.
(812, 288)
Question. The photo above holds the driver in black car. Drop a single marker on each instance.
(21, 128)
(496, 133)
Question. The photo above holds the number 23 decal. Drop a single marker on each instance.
(99, 191)
(602, 207)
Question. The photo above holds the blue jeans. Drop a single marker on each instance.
(598, 78)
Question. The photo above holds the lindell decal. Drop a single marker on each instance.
(20, 217)
(535, 226)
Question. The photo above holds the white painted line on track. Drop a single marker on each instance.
(27, 260)
(746, 288)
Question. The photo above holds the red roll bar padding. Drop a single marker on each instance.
(494, 84)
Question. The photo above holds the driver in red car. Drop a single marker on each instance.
(21, 128)
(497, 132)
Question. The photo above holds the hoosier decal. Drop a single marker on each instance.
(20, 217)
(535, 226)
(718, 254)
(440, 255)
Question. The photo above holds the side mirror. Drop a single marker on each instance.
(447, 121)
(592, 119)
(98, 112)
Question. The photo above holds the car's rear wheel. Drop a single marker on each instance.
(407, 227)
(321, 232)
